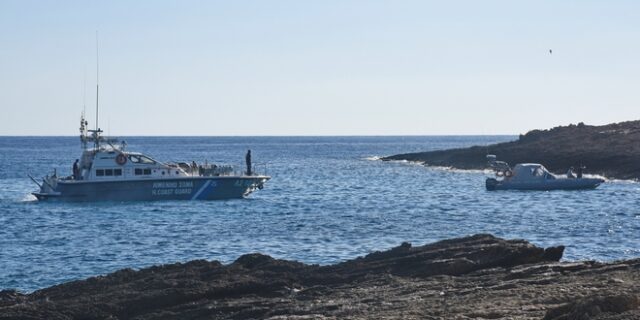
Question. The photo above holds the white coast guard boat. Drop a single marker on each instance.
(533, 176)
(108, 172)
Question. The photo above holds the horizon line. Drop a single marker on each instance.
(273, 136)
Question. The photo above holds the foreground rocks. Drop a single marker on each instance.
(611, 150)
(477, 277)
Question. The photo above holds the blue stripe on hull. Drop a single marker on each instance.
(197, 188)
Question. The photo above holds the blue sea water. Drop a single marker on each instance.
(329, 200)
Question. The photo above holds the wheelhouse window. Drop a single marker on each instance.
(108, 172)
(139, 172)
(140, 159)
(99, 172)
(117, 172)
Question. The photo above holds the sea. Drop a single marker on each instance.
(330, 199)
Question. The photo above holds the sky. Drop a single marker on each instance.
(331, 67)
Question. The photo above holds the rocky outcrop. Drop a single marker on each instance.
(611, 150)
(617, 306)
(477, 277)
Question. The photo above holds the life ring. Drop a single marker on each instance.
(508, 173)
(121, 159)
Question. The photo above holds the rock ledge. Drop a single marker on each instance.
(479, 276)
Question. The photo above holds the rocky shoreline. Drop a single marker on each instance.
(475, 277)
(612, 151)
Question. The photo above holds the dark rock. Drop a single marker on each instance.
(449, 257)
(475, 276)
(611, 150)
(553, 253)
(594, 306)
(11, 297)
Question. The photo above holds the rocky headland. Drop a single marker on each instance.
(475, 277)
(611, 150)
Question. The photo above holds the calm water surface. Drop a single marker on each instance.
(328, 201)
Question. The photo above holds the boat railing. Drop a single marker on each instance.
(209, 170)
(216, 170)
(257, 169)
(260, 169)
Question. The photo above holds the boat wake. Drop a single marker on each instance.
(28, 198)
(620, 181)
(438, 168)
(452, 169)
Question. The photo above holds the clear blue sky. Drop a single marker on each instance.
(318, 67)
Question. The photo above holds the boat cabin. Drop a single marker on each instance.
(120, 165)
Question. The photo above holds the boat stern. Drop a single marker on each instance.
(48, 187)
(491, 184)
(45, 196)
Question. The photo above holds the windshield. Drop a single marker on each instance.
(541, 172)
(141, 159)
(537, 172)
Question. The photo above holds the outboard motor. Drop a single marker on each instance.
(501, 168)
(497, 165)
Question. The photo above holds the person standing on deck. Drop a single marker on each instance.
(579, 171)
(248, 160)
(76, 170)
(194, 168)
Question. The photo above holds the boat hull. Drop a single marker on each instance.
(188, 188)
(544, 185)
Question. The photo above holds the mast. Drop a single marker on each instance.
(95, 134)
(97, 130)
(97, 78)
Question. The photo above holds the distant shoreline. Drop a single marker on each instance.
(486, 169)
(611, 151)
(274, 136)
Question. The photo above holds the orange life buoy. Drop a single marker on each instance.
(121, 159)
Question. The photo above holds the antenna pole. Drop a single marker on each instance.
(97, 140)
(84, 92)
